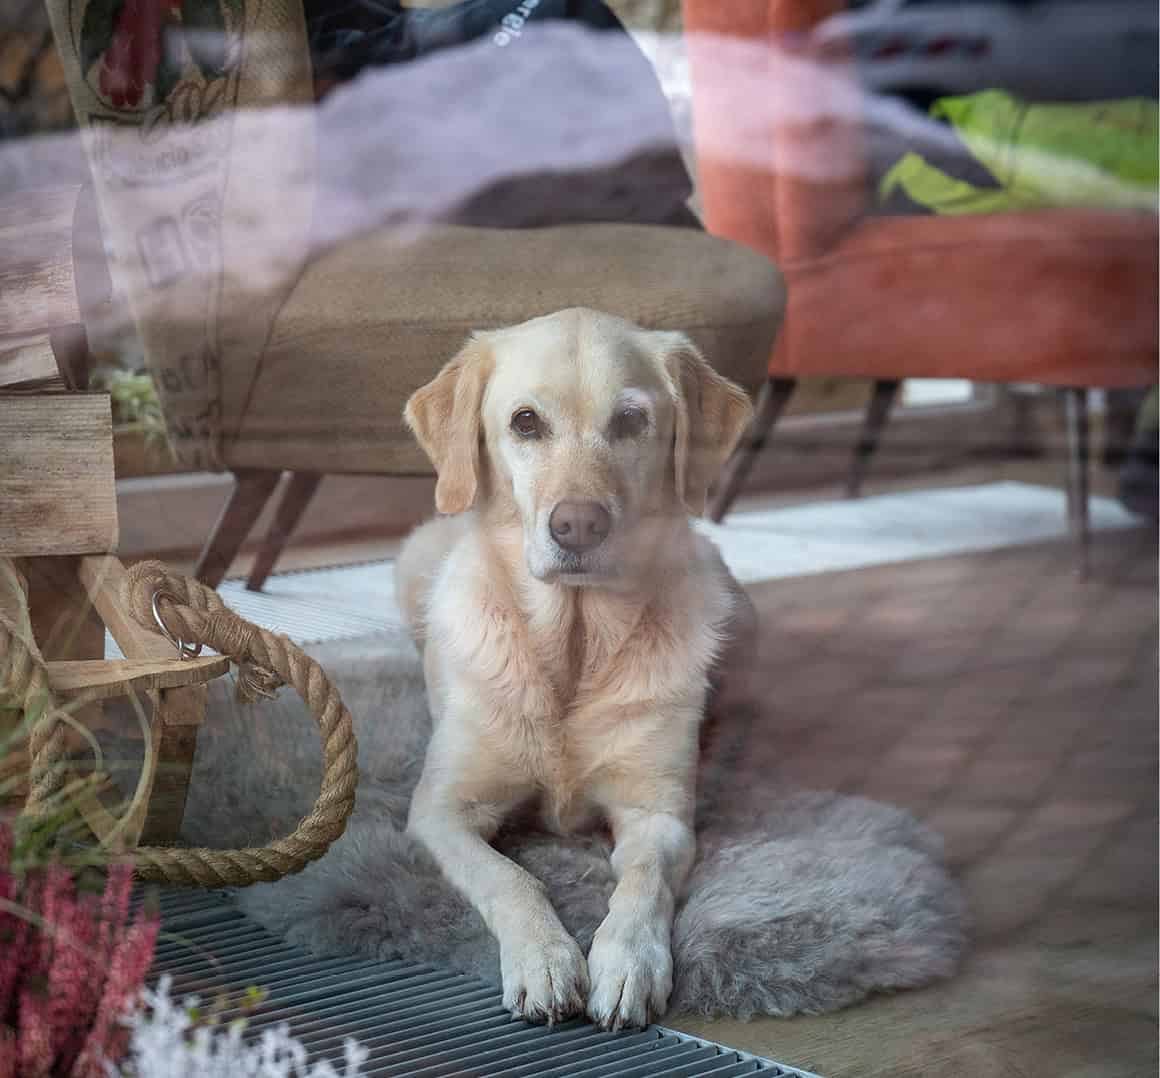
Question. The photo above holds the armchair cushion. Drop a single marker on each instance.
(1063, 297)
(373, 319)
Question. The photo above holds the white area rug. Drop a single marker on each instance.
(829, 536)
(357, 600)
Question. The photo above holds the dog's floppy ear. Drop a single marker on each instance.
(445, 417)
(711, 415)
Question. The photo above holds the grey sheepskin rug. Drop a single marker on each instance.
(799, 902)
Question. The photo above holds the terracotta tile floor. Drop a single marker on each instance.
(1013, 706)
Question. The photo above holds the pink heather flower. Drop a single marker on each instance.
(74, 1002)
(69, 980)
(64, 987)
(114, 908)
(7, 1052)
(35, 1033)
(127, 968)
(6, 880)
(56, 902)
(17, 954)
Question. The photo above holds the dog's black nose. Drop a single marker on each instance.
(579, 526)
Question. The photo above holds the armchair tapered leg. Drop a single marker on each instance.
(770, 404)
(252, 489)
(1078, 460)
(873, 424)
(294, 501)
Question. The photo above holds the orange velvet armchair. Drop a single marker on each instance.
(1060, 297)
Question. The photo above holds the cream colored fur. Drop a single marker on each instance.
(570, 685)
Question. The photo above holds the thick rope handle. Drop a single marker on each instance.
(24, 685)
(192, 614)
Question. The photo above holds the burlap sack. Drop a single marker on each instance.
(198, 132)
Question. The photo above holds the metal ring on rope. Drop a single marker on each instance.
(184, 650)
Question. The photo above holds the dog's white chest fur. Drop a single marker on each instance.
(569, 684)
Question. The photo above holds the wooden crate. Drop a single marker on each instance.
(57, 492)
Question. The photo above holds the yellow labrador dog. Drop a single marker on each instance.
(570, 620)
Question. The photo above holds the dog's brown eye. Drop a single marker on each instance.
(629, 423)
(527, 424)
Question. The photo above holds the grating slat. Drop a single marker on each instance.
(528, 1041)
(443, 1030)
(416, 1021)
(356, 990)
(732, 1065)
(282, 977)
(236, 929)
(286, 975)
(587, 1045)
(399, 1046)
(245, 941)
(667, 1061)
(242, 974)
(464, 1002)
(292, 977)
(600, 1053)
(698, 1062)
(409, 1032)
(250, 948)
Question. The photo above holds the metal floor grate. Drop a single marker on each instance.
(415, 1019)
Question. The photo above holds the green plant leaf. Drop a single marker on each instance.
(97, 26)
(134, 400)
(206, 35)
(254, 996)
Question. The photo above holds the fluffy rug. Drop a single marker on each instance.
(799, 901)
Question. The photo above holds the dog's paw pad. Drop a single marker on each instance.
(632, 977)
(545, 982)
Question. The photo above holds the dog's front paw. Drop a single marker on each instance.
(631, 967)
(544, 980)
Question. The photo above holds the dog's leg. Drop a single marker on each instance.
(631, 960)
(545, 977)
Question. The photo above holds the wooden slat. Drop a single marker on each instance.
(176, 745)
(14, 758)
(102, 822)
(70, 346)
(99, 679)
(64, 624)
(40, 388)
(14, 775)
(27, 362)
(37, 289)
(104, 578)
(57, 492)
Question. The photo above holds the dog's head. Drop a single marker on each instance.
(588, 428)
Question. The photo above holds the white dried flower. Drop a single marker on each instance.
(162, 1046)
